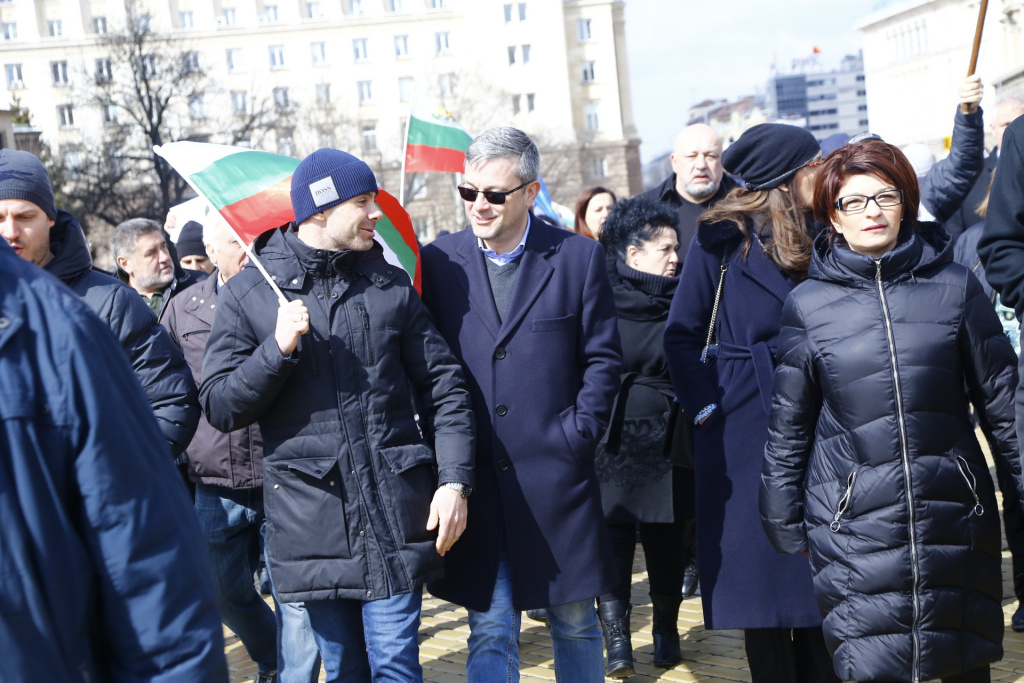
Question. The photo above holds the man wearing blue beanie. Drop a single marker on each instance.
(362, 501)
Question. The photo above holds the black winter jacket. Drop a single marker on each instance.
(157, 362)
(947, 184)
(1001, 246)
(872, 463)
(347, 476)
(233, 460)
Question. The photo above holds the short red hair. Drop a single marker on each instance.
(871, 157)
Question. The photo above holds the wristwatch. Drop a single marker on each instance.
(465, 490)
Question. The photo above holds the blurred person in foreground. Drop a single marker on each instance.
(751, 249)
(104, 574)
(872, 465)
(644, 483)
(362, 499)
(592, 209)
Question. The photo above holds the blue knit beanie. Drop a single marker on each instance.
(326, 178)
(23, 176)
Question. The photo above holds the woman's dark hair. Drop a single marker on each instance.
(634, 222)
(871, 157)
(581, 209)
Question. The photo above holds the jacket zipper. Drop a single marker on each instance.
(905, 456)
(366, 333)
(844, 503)
(972, 484)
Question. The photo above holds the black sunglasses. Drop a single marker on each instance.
(492, 196)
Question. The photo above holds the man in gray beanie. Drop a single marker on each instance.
(53, 239)
(361, 500)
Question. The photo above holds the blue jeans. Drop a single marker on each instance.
(298, 653)
(363, 641)
(494, 638)
(231, 521)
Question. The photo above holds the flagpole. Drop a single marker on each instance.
(405, 150)
(252, 257)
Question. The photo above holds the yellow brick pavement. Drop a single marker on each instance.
(708, 655)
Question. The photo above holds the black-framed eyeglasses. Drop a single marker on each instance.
(856, 203)
(492, 196)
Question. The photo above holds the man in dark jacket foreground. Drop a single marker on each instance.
(353, 490)
(52, 239)
(104, 575)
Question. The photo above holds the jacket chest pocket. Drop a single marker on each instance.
(305, 509)
(411, 481)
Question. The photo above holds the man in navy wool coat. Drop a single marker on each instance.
(528, 310)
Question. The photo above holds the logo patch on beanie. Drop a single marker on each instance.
(323, 191)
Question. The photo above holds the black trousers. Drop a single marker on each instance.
(1013, 523)
(667, 550)
(788, 655)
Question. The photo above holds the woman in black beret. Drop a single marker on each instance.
(750, 250)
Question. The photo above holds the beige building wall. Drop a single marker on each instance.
(568, 87)
(916, 54)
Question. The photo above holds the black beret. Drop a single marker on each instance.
(769, 154)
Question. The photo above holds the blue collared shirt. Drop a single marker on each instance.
(511, 256)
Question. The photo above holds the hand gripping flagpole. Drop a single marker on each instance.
(982, 7)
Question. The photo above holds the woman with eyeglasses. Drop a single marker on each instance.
(872, 465)
(751, 249)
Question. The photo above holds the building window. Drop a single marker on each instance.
(370, 138)
(590, 116)
(529, 101)
(525, 49)
(522, 11)
(234, 59)
(588, 72)
(313, 10)
(864, 122)
(515, 104)
(65, 115)
(365, 91)
(327, 140)
(229, 16)
(598, 168)
(10, 31)
(323, 94)
(860, 93)
(239, 102)
(55, 28)
(110, 114)
(196, 107)
(438, 4)
(280, 98)
(583, 30)
(104, 70)
(862, 107)
(270, 14)
(99, 25)
(394, 5)
(446, 83)
(508, 14)
(186, 20)
(148, 66)
(401, 46)
(276, 56)
(443, 42)
(72, 163)
(14, 81)
(286, 144)
(319, 51)
(355, 6)
(59, 71)
(405, 88)
(143, 23)
(511, 55)
(359, 49)
(190, 62)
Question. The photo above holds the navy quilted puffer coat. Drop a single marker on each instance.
(872, 463)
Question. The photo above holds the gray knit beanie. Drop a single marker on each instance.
(23, 176)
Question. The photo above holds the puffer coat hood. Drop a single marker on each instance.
(872, 463)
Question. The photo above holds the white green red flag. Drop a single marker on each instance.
(436, 141)
(252, 191)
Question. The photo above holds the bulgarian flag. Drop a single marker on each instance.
(435, 141)
(252, 191)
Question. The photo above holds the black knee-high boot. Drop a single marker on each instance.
(615, 622)
(666, 632)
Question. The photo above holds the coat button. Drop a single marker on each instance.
(319, 296)
(503, 464)
(274, 278)
(334, 295)
(277, 486)
(389, 271)
(501, 410)
(318, 471)
(202, 301)
(4, 323)
(295, 281)
(362, 533)
(499, 352)
(369, 594)
(332, 483)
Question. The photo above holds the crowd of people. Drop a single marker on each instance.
(769, 370)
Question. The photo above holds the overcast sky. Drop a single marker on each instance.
(684, 51)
